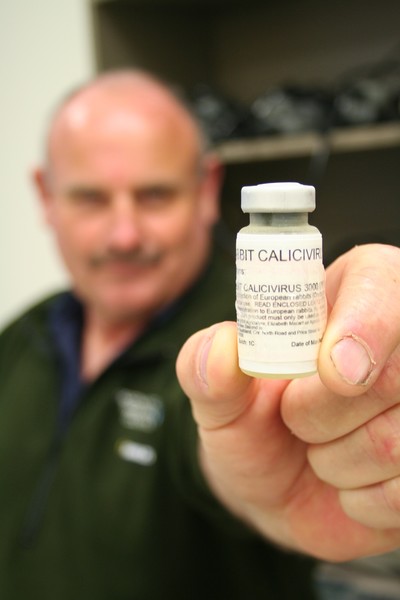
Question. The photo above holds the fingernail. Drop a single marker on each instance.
(353, 360)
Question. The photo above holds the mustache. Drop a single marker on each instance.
(140, 257)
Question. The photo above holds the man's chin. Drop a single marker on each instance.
(119, 310)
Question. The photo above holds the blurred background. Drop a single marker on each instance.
(45, 48)
(304, 91)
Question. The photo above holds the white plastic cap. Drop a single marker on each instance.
(278, 197)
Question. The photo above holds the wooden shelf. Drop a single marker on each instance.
(349, 139)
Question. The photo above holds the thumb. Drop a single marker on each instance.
(208, 371)
(363, 328)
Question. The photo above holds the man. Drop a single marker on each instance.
(109, 490)
(101, 493)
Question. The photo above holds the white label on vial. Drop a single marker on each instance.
(280, 297)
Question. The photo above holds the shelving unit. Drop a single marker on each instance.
(243, 48)
(349, 139)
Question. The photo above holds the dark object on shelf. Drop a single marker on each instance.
(369, 96)
(290, 109)
(367, 101)
(220, 116)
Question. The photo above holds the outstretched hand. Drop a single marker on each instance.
(314, 463)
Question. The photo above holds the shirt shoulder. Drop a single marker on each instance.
(27, 329)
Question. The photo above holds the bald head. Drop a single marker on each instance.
(128, 100)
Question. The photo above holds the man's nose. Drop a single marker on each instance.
(125, 223)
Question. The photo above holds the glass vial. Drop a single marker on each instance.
(280, 282)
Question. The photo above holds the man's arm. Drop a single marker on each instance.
(313, 464)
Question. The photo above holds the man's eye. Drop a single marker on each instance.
(156, 197)
(89, 197)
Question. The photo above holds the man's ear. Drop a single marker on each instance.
(41, 185)
(211, 185)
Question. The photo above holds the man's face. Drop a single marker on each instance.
(130, 212)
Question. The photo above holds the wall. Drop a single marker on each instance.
(45, 48)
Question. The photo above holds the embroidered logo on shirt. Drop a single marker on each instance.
(141, 454)
(143, 412)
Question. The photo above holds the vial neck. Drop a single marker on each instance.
(279, 219)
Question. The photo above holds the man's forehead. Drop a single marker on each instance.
(100, 118)
(113, 160)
